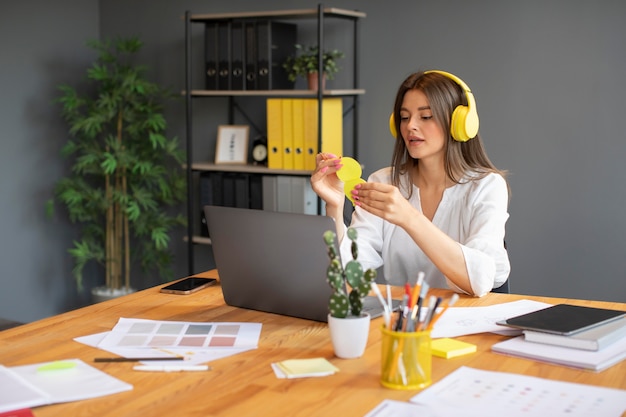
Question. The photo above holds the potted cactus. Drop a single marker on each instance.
(348, 325)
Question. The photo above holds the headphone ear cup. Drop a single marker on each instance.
(464, 124)
(457, 124)
(392, 126)
(471, 122)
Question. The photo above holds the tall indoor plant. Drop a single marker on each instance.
(126, 175)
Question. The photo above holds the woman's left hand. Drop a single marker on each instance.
(384, 201)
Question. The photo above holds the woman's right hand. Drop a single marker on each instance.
(325, 182)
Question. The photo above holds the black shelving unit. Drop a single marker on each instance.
(320, 14)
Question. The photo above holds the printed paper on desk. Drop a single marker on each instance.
(469, 392)
(394, 408)
(140, 333)
(26, 386)
(460, 321)
(192, 356)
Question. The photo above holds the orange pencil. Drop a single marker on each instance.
(453, 300)
(416, 289)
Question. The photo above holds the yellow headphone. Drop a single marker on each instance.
(464, 122)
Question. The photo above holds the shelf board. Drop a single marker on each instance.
(275, 93)
(251, 169)
(200, 240)
(285, 14)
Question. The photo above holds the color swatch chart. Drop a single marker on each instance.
(467, 391)
(140, 333)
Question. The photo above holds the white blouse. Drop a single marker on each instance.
(473, 213)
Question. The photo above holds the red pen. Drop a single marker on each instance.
(407, 291)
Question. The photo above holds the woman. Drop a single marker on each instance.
(441, 207)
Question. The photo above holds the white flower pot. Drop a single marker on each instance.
(349, 335)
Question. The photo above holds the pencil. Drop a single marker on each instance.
(449, 304)
(166, 358)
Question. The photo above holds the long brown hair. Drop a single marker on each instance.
(461, 158)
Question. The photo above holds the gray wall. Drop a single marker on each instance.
(546, 76)
(41, 44)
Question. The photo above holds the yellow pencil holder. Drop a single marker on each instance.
(406, 361)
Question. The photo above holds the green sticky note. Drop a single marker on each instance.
(56, 366)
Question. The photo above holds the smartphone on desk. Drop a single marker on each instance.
(188, 285)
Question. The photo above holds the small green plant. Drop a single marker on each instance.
(305, 61)
(339, 278)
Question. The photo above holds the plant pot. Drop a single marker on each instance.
(313, 81)
(349, 335)
(99, 294)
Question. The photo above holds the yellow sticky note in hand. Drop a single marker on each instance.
(350, 174)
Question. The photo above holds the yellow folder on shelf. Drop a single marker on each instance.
(287, 119)
(332, 129)
(298, 133)
(274, 133)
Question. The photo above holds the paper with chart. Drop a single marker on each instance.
(469, 392)
(140, 333)
(197, 342)
(459, 321)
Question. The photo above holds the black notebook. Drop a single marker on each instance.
(564, 319)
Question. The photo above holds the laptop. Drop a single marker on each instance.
(274, 261)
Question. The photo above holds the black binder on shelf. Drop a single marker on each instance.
(223, 54)
(211, 194)
(275, 42)
(210, 45)
(250, 54)
(256, 192)
(237, 51)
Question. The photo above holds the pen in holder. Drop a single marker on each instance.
(406, 360)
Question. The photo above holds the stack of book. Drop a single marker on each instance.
(576, 336)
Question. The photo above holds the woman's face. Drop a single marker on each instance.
(423, 137)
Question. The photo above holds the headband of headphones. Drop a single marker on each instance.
(464, 122)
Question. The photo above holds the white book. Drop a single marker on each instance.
(576, 358)
(54, 382)
(595, 338)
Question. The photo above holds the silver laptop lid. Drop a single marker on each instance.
(271, 261)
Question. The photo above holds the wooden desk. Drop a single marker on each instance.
(244, 384)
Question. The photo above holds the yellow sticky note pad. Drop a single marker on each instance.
(450, 348)
(350, 169)
(350, 174)
(349, 185)
(295, 368)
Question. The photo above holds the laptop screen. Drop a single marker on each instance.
(271, 261)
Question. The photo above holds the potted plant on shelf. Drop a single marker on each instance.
(348, 325)
(126, 175)
(305, 64)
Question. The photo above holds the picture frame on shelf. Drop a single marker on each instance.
(232, 144)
